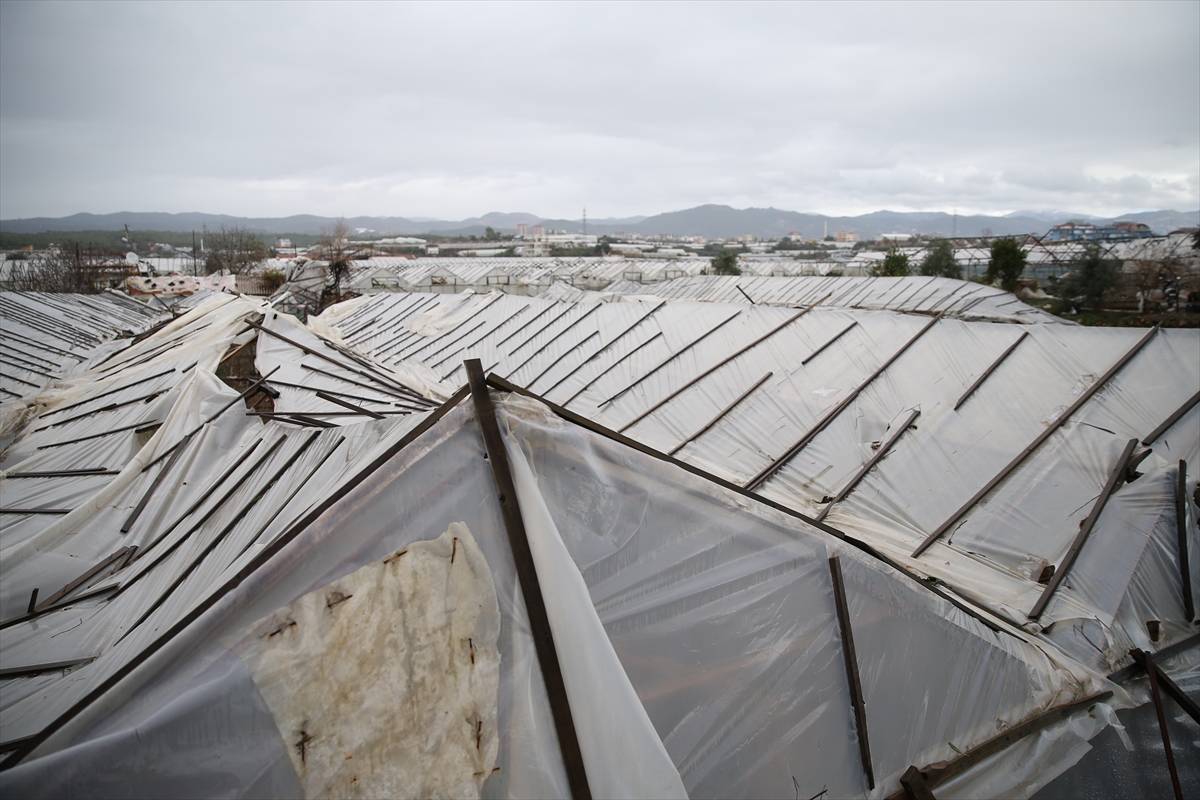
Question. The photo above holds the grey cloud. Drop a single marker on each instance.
(457, 109)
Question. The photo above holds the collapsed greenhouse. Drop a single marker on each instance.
(506, 546)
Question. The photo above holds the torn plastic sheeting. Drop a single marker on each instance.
(447, 315)
(1136, 515)
(1154, 592)
(201, 391)
(709, 601)
(272, 352)
(622, 753)
(147, 580)
(391, 508)
(66, 634)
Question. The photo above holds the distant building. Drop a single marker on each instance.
(1072, 231)
(845, 236)
(522, 229)
(1077, 230)
(895, 237)
(431, 249)
(539, 230)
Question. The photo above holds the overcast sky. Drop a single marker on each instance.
(451, 110)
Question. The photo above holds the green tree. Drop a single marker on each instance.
(1006, 263)
(1091, 277)
(490, 234)
(726, 263)
(895, 265)
(940, 260)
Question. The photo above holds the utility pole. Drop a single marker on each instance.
(195, 272)
(585, 220)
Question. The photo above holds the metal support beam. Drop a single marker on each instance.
(553, 339)
(122, 429)
(38, 669)
(535, 334)
(118, 559)
(366, 412)
(539, 620)
(942, 771)
(1035, 444)
(611, 367)
(596, 354)
(851, 659)
(249, 390)
(721, 414)
(1153, 672)
(1115, 476)
(987, 372)
(95, 397)
(65, 473)
(875, 459)
(823, 347)
(915, 787)
(1146, 661)
(778, 464)
(714, 368)
(674, 356)
(1154, 435)
(1185, 570)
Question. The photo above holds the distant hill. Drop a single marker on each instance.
(714, 221)
(711, 221)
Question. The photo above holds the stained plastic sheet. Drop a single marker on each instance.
(402, 502)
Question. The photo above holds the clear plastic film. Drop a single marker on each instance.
(722, 614)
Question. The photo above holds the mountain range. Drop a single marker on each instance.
(711, 221)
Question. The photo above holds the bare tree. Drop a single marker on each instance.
(337, 250)
(69, 269)
(235, 249)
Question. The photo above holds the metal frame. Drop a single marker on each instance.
(720, 415)
(539, 620)
(1035, 444)
(28, 744)
(884, 449)
(674, 356)
(850, 657)
(716, 367)
(987, 372)
(779, 463)
(942, 771)
(1185, 570)
(1115, 476)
